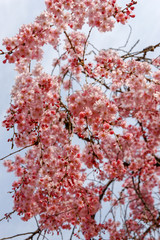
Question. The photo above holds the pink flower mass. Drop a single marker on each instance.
(90, 129)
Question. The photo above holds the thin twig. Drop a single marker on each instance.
(22, 234)
(86, 42)
(130, 32)
(134, 45)
(72, 233)
(61, 233)
(16, 151)
(7, 216)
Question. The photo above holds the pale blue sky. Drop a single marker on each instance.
(14, 13)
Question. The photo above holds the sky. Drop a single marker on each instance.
(14, 13)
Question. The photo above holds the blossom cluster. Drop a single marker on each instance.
(92, 124)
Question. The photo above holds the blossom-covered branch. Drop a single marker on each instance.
(90, 128)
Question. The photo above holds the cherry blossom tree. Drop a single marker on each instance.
(90, 129)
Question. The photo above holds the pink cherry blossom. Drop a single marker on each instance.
(90, 129)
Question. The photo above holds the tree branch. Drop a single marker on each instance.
(23, 234)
